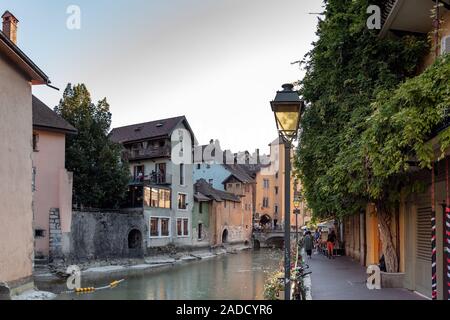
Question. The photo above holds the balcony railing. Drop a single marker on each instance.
(149, 153)
(153, 179)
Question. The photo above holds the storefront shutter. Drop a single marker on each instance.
(424, 234)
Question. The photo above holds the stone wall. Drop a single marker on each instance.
(55, 234)
(101, 235)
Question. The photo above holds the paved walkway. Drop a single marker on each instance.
(344, 279)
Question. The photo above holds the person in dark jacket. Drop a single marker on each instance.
(308, 244)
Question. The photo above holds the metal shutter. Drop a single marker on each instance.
(424, 234)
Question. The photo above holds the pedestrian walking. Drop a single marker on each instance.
(317, 237)
(308, 244)
(331, 241)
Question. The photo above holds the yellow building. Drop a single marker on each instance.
(270, 191)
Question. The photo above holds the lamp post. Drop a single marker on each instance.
(287, 108)
(297, 204)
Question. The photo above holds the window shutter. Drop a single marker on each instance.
(424, 234)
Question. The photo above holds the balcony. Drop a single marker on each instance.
(149, 153)
(154, 179)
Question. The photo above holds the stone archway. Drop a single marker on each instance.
(135, 243)
(225, 236)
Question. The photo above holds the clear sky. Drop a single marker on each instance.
(219, 62)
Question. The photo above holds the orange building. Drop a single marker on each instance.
(227, 222)
(270, 192)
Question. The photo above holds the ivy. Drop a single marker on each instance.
(402, 124)
(349, 73)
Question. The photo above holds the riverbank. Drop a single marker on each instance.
(52, 278)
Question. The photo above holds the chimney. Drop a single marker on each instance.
(10, 26)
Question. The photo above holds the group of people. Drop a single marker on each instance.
(311, 242)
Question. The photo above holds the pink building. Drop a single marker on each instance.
(17, 76)
(52, 199)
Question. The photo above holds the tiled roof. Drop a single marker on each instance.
(148, 130)
(239, 172)
(203, 187)
(198, 196)
(46, 119)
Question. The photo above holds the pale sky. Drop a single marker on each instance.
(218, 62)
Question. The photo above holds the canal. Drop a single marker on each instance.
(231, 277)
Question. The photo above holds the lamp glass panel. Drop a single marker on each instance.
(287, 121)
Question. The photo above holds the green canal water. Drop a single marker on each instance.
(231, 277)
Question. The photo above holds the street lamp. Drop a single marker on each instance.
(297, 205)
(287, 108)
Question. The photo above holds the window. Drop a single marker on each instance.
(199, 166)
(183, 227)
(35, 142)
(186, 227)
(39, 233)
(139, 173)
(179, 227)
(33, 179)
(225, 204)
(276, 190)
(246, 188)
(276, 175)
(200, 207)
(200, 231)
(154, 227)
(160, 173)
(182, 174)
(182, 204)
(165, 232)
(265, 202)
(266, 183)
(276, 209)
(157, 198)
(229, 186)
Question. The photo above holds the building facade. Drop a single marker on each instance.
(162, 187)
(52, 182)
(270, 192)
(17, 76)
(227, 224)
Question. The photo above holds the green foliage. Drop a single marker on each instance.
(348, 67)
(100, 177)
(402, 123)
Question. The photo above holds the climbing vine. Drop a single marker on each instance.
(350, 73)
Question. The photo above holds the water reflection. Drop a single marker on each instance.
(232, 277)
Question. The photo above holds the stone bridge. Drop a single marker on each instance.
(269, 239)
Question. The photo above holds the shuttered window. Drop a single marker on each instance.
(424, 234)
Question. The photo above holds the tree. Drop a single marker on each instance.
(100, 177)
(346, 69)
